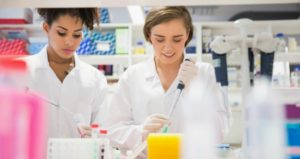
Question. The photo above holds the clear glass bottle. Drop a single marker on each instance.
(95, 129)
(282, 46)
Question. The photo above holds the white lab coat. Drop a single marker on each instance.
(139, 94)
(79, 96)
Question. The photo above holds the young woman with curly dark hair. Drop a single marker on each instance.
(76, 90)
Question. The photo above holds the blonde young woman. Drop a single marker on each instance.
(146, 90)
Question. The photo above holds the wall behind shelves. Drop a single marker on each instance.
(120, 3)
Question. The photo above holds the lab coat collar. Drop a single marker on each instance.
(42, 57)
(152, 76)
(77, 62)
(42, 61)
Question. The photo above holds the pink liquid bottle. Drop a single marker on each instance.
(22, 116)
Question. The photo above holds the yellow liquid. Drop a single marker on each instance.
(164, 146)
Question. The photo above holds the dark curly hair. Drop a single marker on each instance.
(164, 14)
(88, 15)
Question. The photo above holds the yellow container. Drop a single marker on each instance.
(164, 146)
(139, 50)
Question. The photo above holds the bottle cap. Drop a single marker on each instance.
(140, 42)
(280, 35)
(94, 125)
(103, 131)
(10, 64)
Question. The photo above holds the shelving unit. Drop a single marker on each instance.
(235, 94)
(288, 27)
(104, 59)
(233, 59)
(35, 31)
(291, 95)
(118, 3)
(135, 34)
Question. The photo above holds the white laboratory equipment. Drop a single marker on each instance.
(264, 124)
(199, 131)
(78, 148)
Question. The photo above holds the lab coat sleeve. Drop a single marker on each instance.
(123, 131)
(222, 113)
(99, 99)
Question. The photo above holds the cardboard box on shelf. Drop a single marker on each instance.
(16, 16)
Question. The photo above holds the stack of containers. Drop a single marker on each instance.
(14, 41)
(98, 43)
(13, 47)
(292, 113)
(104, 15)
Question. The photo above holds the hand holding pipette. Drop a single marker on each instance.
(83, 129)
(154, 123)
(188, 70)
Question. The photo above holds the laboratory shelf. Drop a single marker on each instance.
(233, 59)
(206, 58)
(289, 94)
(36, 30)
(291, 57)
(39, 25)
(235, 89)
(140, 58)
(32, 30)
(292, 121)
(113, 59)
(25, 26)
(104, 59)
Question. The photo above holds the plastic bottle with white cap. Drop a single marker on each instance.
(95, 128)
(282, 47)
(199, 131)
(264, 123)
